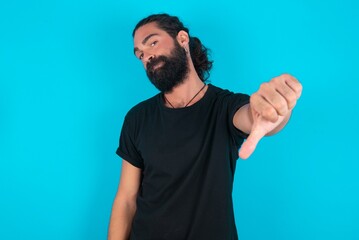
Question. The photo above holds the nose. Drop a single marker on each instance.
(147, 58)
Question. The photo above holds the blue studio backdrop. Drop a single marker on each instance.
(68, 77)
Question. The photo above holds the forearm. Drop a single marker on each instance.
(243, 120)
(121, 219)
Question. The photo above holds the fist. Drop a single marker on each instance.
(276, 98)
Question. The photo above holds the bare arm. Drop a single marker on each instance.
(268, 111)
(124, 205)
(243, 120)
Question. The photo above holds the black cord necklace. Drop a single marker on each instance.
(189, 100)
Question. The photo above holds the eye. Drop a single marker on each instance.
(154, 43)
(140, 56)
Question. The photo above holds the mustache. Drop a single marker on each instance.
(151, 64)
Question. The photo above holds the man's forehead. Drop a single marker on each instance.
(146, 30)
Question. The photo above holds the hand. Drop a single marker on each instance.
(270, 108)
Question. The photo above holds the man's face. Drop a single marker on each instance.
(165, 61)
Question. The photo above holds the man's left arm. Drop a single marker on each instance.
(268, 111)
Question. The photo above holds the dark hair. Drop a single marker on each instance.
(172, 25)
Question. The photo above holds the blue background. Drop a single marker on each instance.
(68, 76)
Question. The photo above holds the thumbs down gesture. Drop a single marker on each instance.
(268, 111)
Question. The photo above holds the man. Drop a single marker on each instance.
(180, 147)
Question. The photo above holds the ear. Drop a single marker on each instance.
(182, 38)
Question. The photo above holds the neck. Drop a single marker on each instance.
(187, 93)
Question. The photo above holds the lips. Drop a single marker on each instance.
(155, 64)
(153, 67)
(158, 65)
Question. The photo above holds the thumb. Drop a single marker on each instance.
(248, 147)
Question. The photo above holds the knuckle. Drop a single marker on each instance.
(300, 87)
(276, 80)
(292, 104)
(253, 98)
(263, 86)
(269, 113)
(286, 75)
(291, 99)
(297, 91)
(281, 108)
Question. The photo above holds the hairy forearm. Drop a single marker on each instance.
(121, 219)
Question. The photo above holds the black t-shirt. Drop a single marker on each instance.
(188, 158)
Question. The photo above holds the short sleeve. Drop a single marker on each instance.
(235, 102)
(127, 149)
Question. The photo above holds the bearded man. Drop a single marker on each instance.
(179, 148)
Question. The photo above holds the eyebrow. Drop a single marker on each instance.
(144, 41)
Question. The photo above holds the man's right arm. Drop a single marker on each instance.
(124, 205)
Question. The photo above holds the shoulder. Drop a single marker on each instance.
(145, 107)
(223, 93)
(218, 90)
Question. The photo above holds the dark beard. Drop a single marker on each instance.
(173, 71)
